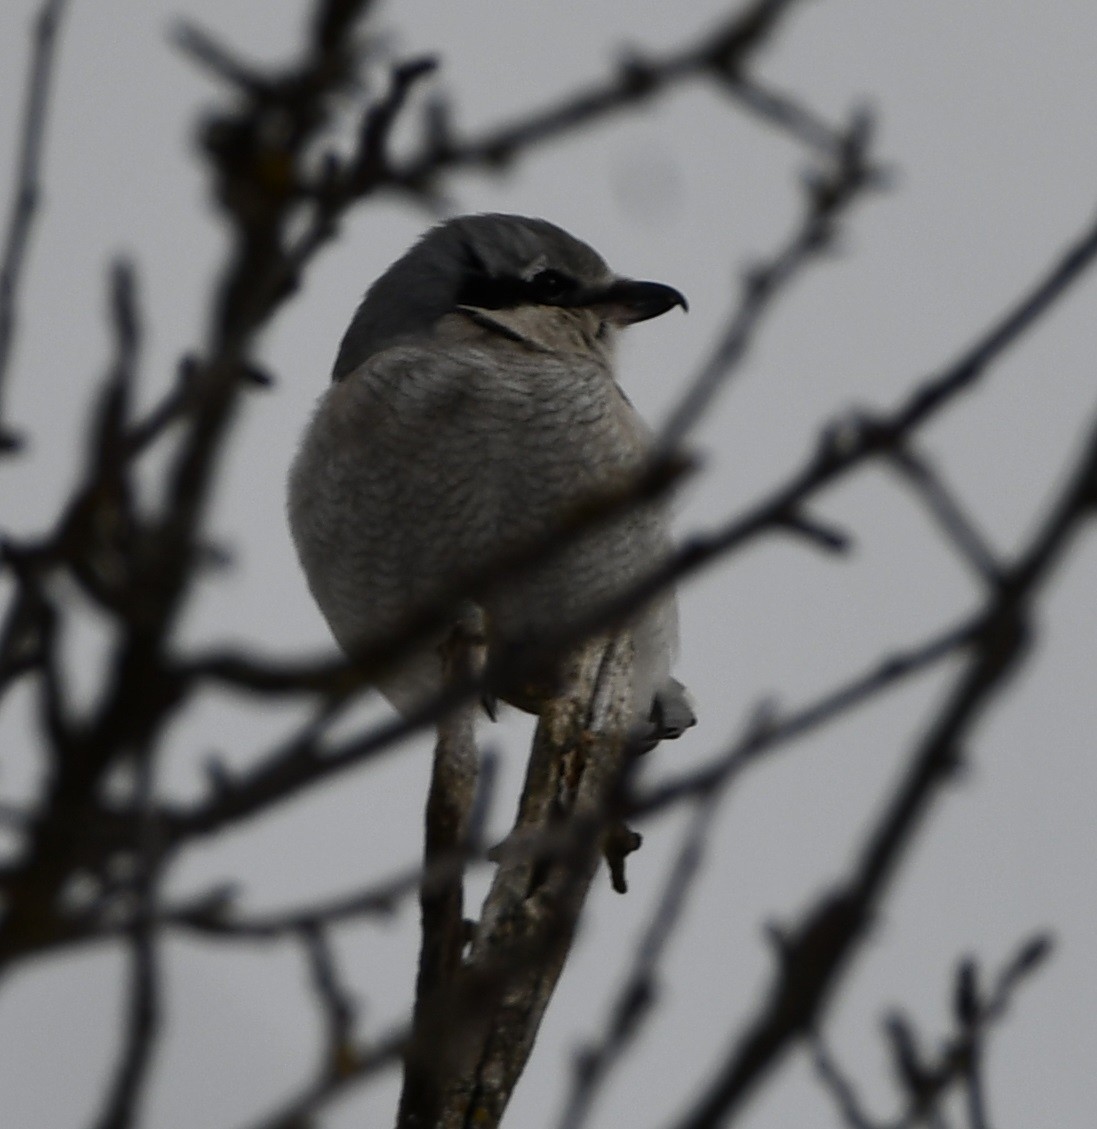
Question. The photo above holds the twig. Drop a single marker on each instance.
(28, 188)
(958, 528)
(925, 1080)
(357, 1066)
(829, 193)
(143, 1023)
(840, 1087)
(204, 50)
(824, 536)
(968, 369)
(771, 729)
(211, 914)
(721, 54)
(639, 990)
(782, 110)
(336, 1005)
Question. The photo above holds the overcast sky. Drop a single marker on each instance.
(986, 111)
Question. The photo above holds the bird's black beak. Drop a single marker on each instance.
(625, 300)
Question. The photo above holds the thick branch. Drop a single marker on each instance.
(521, 942)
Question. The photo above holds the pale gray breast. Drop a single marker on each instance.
(430, 461)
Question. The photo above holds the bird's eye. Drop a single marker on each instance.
(549, 285)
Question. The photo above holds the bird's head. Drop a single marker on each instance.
(496, 264)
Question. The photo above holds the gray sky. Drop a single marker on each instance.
(986, 110)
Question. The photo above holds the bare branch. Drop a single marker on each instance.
(202, 48)
(524, 934)
(143, 1021)
(441, 898)
(925, 1079)
(357, 1065)
(28, 188)
(957, 526)
(846, 445)
(783, 111)
(338, 1009)
(848, 173)
(813, 957)
(721, 54)
(822, 535)
(640, 989)
(841, 1088)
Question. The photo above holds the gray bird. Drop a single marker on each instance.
(473, 404)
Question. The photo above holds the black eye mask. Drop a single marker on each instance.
(497, 292)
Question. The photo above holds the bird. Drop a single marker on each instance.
(473, 405)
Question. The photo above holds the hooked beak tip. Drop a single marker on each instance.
(629, 301)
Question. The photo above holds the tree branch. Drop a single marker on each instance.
(926, 1080)
(450, 801)
(28, 188)
(519, 946)
(721, 54)
(813, 957)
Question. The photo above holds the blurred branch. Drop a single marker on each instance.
(143, 1020)
(845, 445)
(640, 990)
(282, 775)
(841, 1088)
(441, 896)
(813, 956)
(769, 729)
(783, 111)
(829, 191)
(141, 567)
(720, 54)
(212, 914)
(27, 188)
(356, 1065)
(337, 1006)
(926, 1080)
(958, 528)
(142, 1025)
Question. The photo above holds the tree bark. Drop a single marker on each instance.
(465, 1062)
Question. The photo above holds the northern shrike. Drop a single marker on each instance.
(473, 405)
